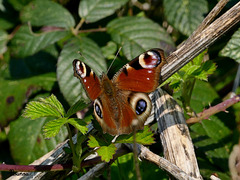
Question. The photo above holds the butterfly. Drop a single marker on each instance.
(122, 103)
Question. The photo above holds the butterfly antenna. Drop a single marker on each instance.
(114, 59)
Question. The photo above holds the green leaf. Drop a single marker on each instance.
(47, 13)
(52, 128)
(69, 85)
(26, 43)
(93, 142)
(14, 94)
(78, 106)
(138, 34)
(92, 10)
(53, 101)
(232, 49)
(44, 108)
(202, 95)
(204, 71)
(213, 139)
(3, 41)
(107, 152)
(185, 15)
(142, 137)
(79, 124)
(27, 142)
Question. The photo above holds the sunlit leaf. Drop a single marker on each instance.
(107, 152)
(44, 108)
(79, 124)
(52, 128)
(142, 137)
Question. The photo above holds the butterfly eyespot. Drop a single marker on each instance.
(141, 106)
(98, 109)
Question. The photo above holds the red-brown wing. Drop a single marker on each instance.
(142, 73)
(88, 78)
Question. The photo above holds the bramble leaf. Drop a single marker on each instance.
(92, 10)
(79, 124)
(142, 137)
(26, 137)
(232, 49)
(185, 15)
(47, 13)
(44, 108)
(52, 128)
(138, 34)
(79, 105)
(107, 152)
(26, 43)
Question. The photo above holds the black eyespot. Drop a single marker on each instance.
(98, 111)
(141, 106)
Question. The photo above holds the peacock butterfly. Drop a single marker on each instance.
(120, 101)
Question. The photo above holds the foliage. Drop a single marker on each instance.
(40, 39)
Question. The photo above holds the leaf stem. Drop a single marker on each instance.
(71, 141)
(79, 25)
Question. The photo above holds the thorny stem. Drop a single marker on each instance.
(213, 110)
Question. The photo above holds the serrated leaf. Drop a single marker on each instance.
(53, 101)
(26, 43)
(92, 10)
(52, 128)
(3, 41)
(232, 49)
(204, 71)
(27, 142)
(107, 152)
(94, 142)
(44, 108)
(185, 15)
(78, 106)
(142, 137)
(47, 13)
(138, 34)
(69, 85)
(79, 124)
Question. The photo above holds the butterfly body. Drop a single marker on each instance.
(120, 101)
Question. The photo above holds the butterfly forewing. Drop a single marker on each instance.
(142, 73)
(88, 78)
